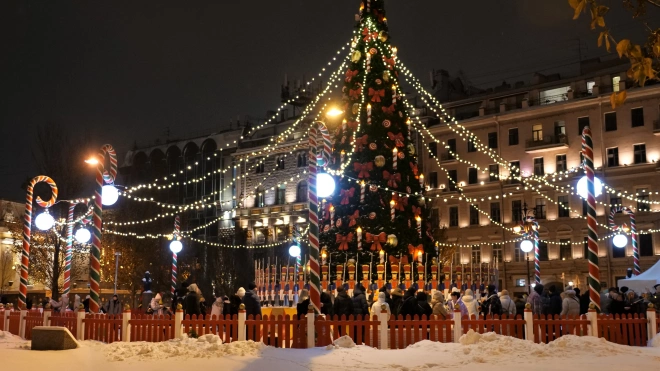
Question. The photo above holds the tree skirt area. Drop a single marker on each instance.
(474, 352)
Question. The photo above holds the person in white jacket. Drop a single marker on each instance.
(156, 305)
(570, 305)
(62, 305)
(376, 307)
(470, 303)
(217, 307)
(508, 306)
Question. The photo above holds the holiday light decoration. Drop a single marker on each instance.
(620, 239)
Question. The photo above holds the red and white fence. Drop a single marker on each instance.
(378, 331)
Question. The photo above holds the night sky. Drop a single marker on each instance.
(125, 71)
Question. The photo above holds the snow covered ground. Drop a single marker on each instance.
(473, 353)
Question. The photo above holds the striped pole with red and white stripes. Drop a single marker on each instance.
(177, 232)
(592, 255)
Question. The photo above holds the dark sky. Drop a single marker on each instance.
(124, 71)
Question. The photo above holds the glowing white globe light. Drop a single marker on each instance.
(44, 221)
(109, 195)
(582, 187)
(176, 246)
(325, 185)
(294, 251)
(620, 240)
(83, 235)
(526, 245)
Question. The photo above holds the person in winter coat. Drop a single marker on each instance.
(216, 307)
(76, 303)
(409, 305)
(62, 305)
(343, 304)
(492, 306)
(555, 301)
(397, 298)
(617, 304)
(471, 303)
(378, 304)
(303, 306)
(388, 297)
(360, 306)
(114, 306)
(240, 292)
(191, 302)
(535, 300)
(251, 301)
(326, 304)
(86, 303)
(202, 306)
(234, 305)
(422, 301)
(570, 306)
(508, 305)
(583, 299)
(156, 305)
(520, 305)
(438, 305)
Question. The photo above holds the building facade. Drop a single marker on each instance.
(537, 129)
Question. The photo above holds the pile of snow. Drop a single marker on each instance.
(655, 342)
(343, 342)
(208, 346)
(8, 337)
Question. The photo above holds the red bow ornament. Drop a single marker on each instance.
(352, 125)
(377, 240)
(344, 240)
(393, 180)
(389, 110)
(361, 142)
(363, 169)
(350, 75)
(417, 211)
(346, 194)
(355, 93)
(403, 260)
(396, 138)
(389, 61)
(400, 202)
(414, 169)
(353, 218)
(376, 95)
(415, 250)
(368, 35)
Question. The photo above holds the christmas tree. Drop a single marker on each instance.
(378, 205)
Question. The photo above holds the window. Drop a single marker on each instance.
(539, 169)
(585, 207)
(560, 128)
(565, 252)
(615, 201)
(540, 208)
(452, 180)
(494, 173)
(495, 212)
(259, 166)
(640, 153)
(543, 251)
(476, 254)
(302, 159)
(301, 191)
(613, 157)
(610, 121)
(433, 149)
(259, 197)
(451, 143)
(492, 140)
(280, 163)
(582, 123)
(513, 137)
(537, 133)
(562, 204)
(516, 211)
(615, 83)
(561, 163)
(471, 147)
(590, 87)
(433, 180)
(474, 215)
(472, 176)
(637, 117)
(646, 245)
(515, 171)
(518, 254)
(280, 195)
(643, 200)
(498, 253)
(617, 252)
(453, 216)
(435, 217)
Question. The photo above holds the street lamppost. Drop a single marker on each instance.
(175, 247)
(529, 228)
(526, 246)
(117, 255)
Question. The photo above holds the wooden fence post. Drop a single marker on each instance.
(21, 324)
(126, 324)
(178, 318)
(458, 329)
(241, 323)
(47, 314)
(311, 336)
(80, 325)
(651, 322)
(592, 316)
(529, 322)
(5, 319)
(382, 317)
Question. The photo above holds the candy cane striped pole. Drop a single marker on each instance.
(633, 232)
(177, 231)
(319, 151)
(537, 253)
(69, 248)
(592, 257)
(27, 231)
(102, 177)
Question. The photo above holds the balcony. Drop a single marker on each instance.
(447, 157)
(656, 127)
(549, 142)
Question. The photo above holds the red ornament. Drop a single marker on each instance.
(387, 123)
(373, 146)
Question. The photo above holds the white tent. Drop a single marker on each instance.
(645, 281)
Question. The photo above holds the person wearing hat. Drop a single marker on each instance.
(303, 305)
(251, 300)
(508, 305)
(617, 304)
(343, 303)
(397, 298)
(471, 303)
(217, 306)
(191, 302)
(492, 306)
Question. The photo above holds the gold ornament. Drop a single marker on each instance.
(383, 36)
(379, 161)
(386, 76)
(411, 149)
(357, 55)
(392, 240)
(356, 108)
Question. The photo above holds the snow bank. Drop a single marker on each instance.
(343, 342)
(208, 346)
(655, 342)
